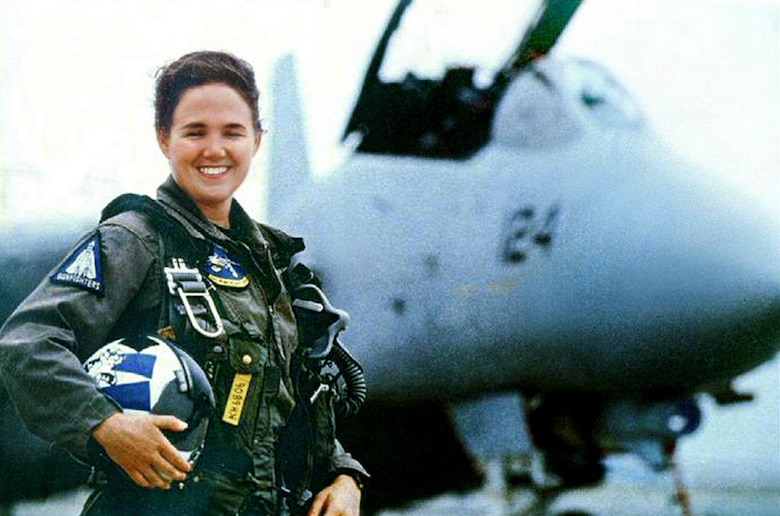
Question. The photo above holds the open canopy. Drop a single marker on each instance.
(440, 68)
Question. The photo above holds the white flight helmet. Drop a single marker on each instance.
(148, 374)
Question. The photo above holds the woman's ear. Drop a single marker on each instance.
(258, 140)
(162, 141)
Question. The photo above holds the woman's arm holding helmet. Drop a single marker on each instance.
(136, 443)
(65, 319)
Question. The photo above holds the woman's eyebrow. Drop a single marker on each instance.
(194, 125)
(201, 125)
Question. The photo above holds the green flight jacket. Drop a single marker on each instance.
(66, 319)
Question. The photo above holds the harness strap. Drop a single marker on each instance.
(190, 292)
(185, 296)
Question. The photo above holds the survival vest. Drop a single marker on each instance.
(327, 380)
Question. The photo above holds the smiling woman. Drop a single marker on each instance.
(210, 147)
(228, 303)
(208, 126)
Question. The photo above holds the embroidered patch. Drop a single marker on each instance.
(83, 268)
(223, 270)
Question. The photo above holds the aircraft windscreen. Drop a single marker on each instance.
(435, 35)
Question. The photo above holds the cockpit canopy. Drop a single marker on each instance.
(434, 91)
(553, 102)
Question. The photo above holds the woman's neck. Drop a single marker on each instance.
(218, 214)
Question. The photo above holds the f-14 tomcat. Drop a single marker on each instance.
(525, 238)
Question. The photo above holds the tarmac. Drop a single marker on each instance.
(621, 496)
(627, 491)
(603, 501)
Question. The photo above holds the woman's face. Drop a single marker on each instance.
(210, 145)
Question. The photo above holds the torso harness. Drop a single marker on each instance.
(188, 308)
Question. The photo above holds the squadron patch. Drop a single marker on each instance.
(83, 268)
(223, 270)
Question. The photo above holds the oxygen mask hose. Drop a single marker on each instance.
(316, 316)
(354, 380)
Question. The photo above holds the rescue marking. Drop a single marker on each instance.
(83, 268)
(236, 398)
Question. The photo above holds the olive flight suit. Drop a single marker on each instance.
(112, 285)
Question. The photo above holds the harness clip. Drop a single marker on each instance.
(188, 285)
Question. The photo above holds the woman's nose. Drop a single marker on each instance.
(215, 147)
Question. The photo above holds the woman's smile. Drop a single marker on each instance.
(210, 146)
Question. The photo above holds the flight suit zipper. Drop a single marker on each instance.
(271, 313)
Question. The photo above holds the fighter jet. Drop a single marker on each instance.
(524, 256)
(527, 266)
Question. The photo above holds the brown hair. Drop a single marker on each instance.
(198, 69)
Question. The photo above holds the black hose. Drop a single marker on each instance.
(354, 379)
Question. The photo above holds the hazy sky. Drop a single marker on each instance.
(76, 88)
(77, 80)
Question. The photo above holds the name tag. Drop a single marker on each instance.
(236, 398)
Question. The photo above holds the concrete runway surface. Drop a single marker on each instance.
(617, 497)
(612, 500)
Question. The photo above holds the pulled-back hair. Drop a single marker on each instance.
(198, 69)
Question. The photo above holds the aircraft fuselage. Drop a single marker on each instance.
(591, 261)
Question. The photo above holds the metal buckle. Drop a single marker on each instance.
(187, 283)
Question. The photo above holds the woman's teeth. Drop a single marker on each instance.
(213, 171)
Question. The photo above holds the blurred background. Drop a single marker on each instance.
(76, 83)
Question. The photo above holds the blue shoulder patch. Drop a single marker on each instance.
(83, 268)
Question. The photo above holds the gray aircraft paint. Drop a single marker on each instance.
(650, 264)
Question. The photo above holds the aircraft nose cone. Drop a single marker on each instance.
(688, 286)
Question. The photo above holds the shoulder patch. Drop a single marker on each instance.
(83, 268)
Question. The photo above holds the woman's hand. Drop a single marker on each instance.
(136, 443)
(341, 498)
